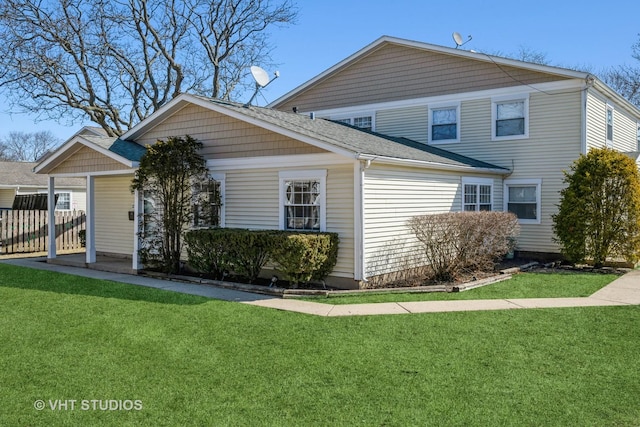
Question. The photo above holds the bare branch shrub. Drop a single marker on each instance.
(455, 243)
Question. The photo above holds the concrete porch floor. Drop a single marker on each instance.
(103, 263)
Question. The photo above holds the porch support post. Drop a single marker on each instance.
(138, 207)
(51, 217)
(90, 222)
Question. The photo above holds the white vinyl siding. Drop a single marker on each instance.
(409, 122)
(554, 143)
(6, 197)
(114, 231)
(393, 195)
(252, 201)
(625, 130)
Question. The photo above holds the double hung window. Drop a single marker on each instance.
(510, 118)
(302, 200)
(444, 123)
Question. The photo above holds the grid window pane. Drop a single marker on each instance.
(363, 122)
(64, 201)
(477, 197)
(207, 204)
(609, 125)
(302, 202)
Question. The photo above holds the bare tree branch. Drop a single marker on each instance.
(26, 147)
(115, 62)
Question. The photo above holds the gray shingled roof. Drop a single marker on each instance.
(127, 149)
(21, 174)
(356, 140)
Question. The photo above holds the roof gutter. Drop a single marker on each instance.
(432, 165)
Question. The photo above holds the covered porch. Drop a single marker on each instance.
(112, 209)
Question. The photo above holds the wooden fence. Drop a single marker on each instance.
(27, 231)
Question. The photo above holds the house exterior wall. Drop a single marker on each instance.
(224, 137)
(625, 125)
(394, 72)
(86, 160)
(252, 201)
(6, 197)
(392, 196)
(114, 231)
(554, 141)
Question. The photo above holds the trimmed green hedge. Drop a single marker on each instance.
(300, 257)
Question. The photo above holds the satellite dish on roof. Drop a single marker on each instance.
(458, 39)
(260, 76)
(262, 80)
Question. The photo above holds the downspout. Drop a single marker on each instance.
(359, 174)
(583, 126)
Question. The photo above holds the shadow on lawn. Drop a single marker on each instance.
(48, 281)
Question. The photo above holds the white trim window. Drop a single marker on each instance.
(363, 121)
(510, 117)
(522, 197)
(444, 123)
(208, 202)
(609, 122)
(64, 202)
(638, 135)
(303, 200)
(477, 194)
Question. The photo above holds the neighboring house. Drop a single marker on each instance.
(444, 130)
(18, 178)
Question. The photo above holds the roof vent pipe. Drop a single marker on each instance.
(312, 115)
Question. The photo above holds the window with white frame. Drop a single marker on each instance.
(609, 129)
(510, 118)
(207, 203)
(64, 202)
(364, 121)
(302, 200)
(638, 135)
(477, 194)
(522, 197)
(443, 123)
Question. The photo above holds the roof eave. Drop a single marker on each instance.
(77, 139)
(430, 165)
(436, 48)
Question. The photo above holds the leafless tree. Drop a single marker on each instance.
(115, 62)
(625, 79)
(27, 147)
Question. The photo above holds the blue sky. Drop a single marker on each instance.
(592, 35)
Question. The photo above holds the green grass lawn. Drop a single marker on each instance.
(523, 285)
(193, 361)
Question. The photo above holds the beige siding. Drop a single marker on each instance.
(554, 143)
(114, 230)
(6, 197)
(394, 72)
(624, 124)
(410, 122)
(79, 200)
(392, 196)
(86, 160)
(252, 201)
(223, 136)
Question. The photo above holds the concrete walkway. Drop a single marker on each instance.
(622, 291)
